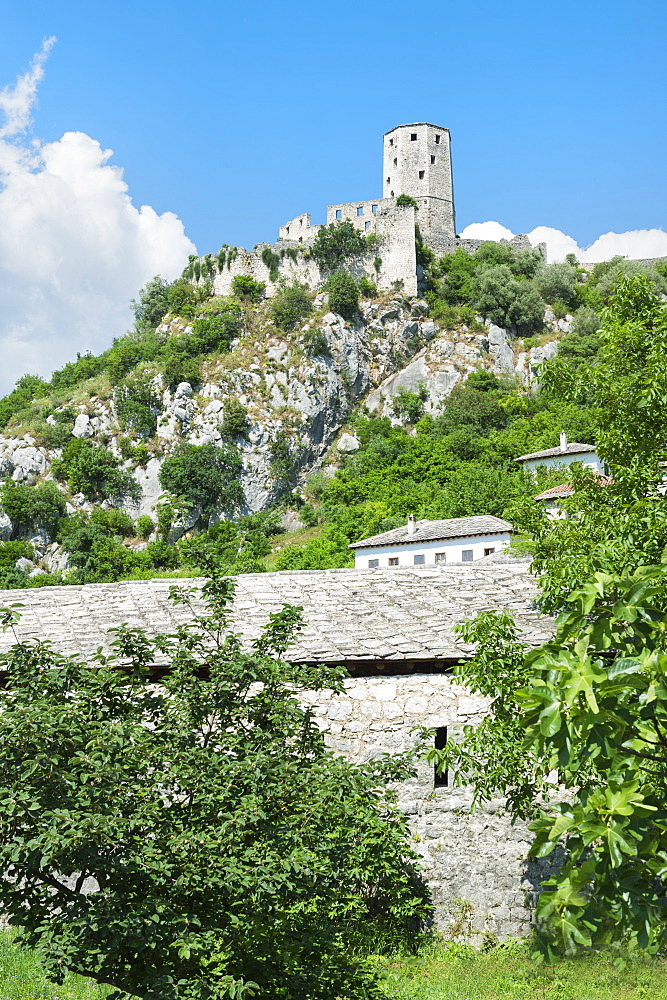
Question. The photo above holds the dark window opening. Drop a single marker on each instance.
(391, 193)
(433, 159)
(367, 225)
(488, 552)
(413, 137)
(440, 780)
(395, 161)
(421, 175)
(360, 210)
(391, 142)
(437, 140)
(287, 229)
(388, 180)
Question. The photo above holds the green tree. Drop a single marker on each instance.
(137, 405)
(246, 287)
(343, 294)
(197, 839)
(557, 282)
(337, 244)
(290, 307)
(30, 507)
(410, 405)
(406, 201)
(205, 477)
(94, 471)
(152, 305)
(235, 421)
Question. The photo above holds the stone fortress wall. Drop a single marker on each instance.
(416, 162)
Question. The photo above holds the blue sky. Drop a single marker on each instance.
(238, 116)
(226, 120)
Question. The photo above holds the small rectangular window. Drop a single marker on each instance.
(413, 137)
(441, 557)
(393, 561)
(488, 552)
(437, 140)
(466, 555)
(420, 560)
(367, 225)
(339, 214)
(373, 563)
(391, 142)
(374, 208)
(421, 175)
(440, 780)
(360, 210)
(433, 159)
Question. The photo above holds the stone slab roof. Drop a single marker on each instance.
(350, 616)
(572, 448)
(434, 531)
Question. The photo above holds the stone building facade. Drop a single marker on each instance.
(394, 633)
(416, 162)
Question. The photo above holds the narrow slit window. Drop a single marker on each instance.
(433, 159)
(391, 142)
(440, 780)
(388, 180)
(373, 563)
(437, 140)
(395, 161)
(367, 225)
(421, 175)
(339, 213)
(287, 229)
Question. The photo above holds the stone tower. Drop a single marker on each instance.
(418, 162)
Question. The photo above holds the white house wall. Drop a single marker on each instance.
(589, 460)
(452, 547)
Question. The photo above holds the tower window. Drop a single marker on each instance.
(421, 175)
(413, 137)
(395, 161)
(388, 180)
(433, 159)
(437, 140)
(360, 210)
(440, 780)
(287, 229)
(339, 214)
(391, 193)
(391, 142)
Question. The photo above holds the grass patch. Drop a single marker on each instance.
(21, 978)
(510, 972)
(281, 542)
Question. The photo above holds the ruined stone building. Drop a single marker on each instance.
(393, 631)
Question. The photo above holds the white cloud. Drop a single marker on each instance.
(73, 248)
(637, 244)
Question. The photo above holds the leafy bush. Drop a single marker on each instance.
(290, 306)
(246, 287)
(282, 465)
(144, 526)
(11, 551)
(235, 421)
(367, 288)
(27, 388)
(183, 298)
(56, 435)
(406, 201)
(558, 283)
(271, 260)
(94, 471)
(136, 401)
(410, 405)
(214, 332)
(315, 343)
(583, 343)
(343, 294)
(336, 244)
(498, 295)
(31, 507)
(86, 366)
(206, 477)
(180, 367)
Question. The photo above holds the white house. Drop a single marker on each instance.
(424, 543)
(567, 453)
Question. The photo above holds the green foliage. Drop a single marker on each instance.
(583, 343)
(11, 551)
(205, 476)
(337, 244)
(558, 283)
(245, 287)
(410, 405)
(31, 507)
(254, 859)
(290, 307)
(406, 201)
(271, 260)
(137, 405)
(27, 388)
(343, 294)
(152, 305)
(86, 366)
(235, 421)
(315, 343)
(507, 301)
(367, 288)
(282, 465)
(94, 471)
(330, 550)
(144, 526)
(183, 298)
(213, 332)
(180, 367)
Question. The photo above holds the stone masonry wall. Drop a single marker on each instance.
(479, 858)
